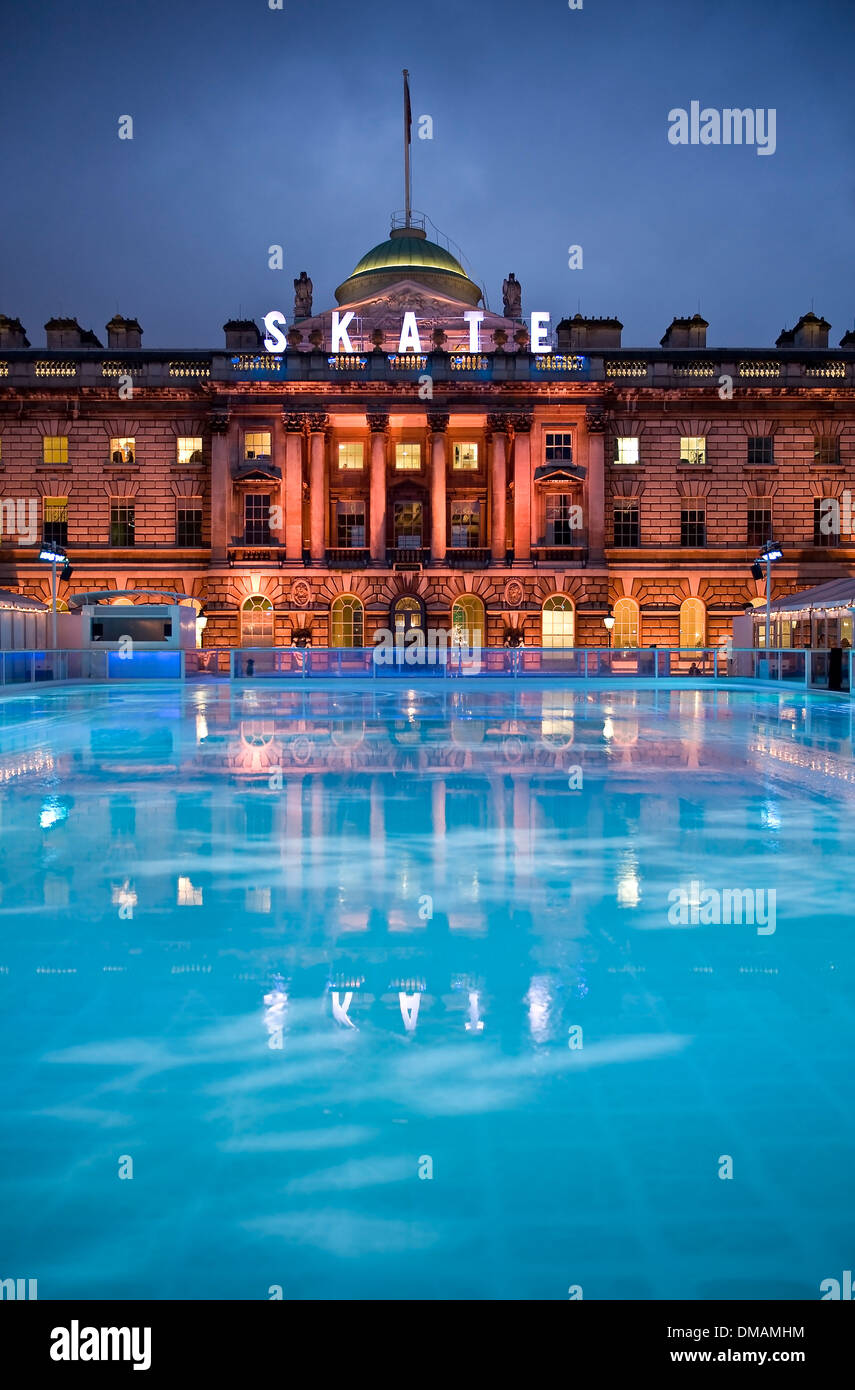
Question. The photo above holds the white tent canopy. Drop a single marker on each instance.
(836, 594)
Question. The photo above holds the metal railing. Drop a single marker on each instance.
(813, 670)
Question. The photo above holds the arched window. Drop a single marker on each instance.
(467, 622)
(557, 621)
(346, 622)
(256, 622)
(61, 606)
(626, 628)
(122, 602)
(693, 623)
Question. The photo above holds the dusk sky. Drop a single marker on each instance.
(255, 127)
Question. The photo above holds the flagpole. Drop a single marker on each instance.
(407, 120)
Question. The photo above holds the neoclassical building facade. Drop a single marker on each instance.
(408, 459)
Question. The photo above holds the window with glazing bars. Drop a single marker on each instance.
(693, 525)
(761, 450)
(256, 518)
(826, 450)
(465, 525)
(826, 521)
(55, 520)
(350, 525)
(627, 529)
(759, 523)
(560, 517)
(188, 526)
(123, 518)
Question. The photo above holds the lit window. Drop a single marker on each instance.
(465, 456)
(693, 448)
(559, 447)
(346, 622)
(408, 457)
(55, 448)
(123, 450)
(557, 621)
(256, 622)
(189, 448)
(257, 445)
(467, 622)
(625, 631)
(626, 449)
(55, 520)
(351, 454)
(693, 622)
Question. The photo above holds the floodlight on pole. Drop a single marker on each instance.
(54, 555)
(768, 555)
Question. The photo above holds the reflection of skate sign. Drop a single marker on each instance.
(340, 1009)
(301, 593)
(514, 593)
(409, 1009)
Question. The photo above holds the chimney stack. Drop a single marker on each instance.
(809, 332)
(587, 335)
(123, 333)
(12, 333)
(242, 335)
(686, 333)
(67, 333)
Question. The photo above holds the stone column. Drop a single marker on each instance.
(221, 484)
(293, 422)
(522, 487)
(595, 421)
(438, 424)
(378, 423)
(317, 485)
(497, 426)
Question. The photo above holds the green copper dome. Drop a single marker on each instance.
(408, 255)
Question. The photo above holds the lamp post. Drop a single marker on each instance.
(608, 624)
(54, 555)
(769, 554)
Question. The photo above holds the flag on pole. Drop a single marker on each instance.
(408, 114)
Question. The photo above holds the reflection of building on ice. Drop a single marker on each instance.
(275, 1010)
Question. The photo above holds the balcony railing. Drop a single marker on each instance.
(461, 556)
(271, 554)
(548, 551)
(354, 557)
(403, 555)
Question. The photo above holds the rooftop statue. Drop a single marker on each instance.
(303, 297)
(512, 297)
